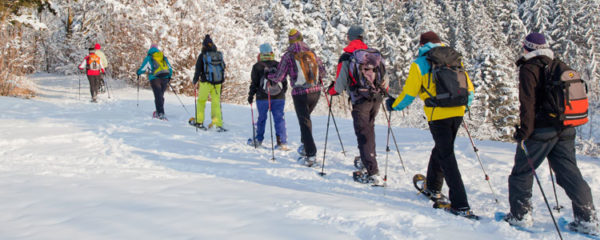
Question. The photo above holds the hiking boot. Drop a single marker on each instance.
(525, 221)
(282, 147)
(200, 126)
(440, 200)
(221, 129)
(463, 212)
(255, 143)
(301, 150)
(162, 116)
(586, 227)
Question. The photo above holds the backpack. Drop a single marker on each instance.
(214, 67)
(565, 95)
(308, 69)
(93, 62)
(361, 88)
(267, 86)
(160, 68)
(449, 76)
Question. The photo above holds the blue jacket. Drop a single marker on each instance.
(147, 66)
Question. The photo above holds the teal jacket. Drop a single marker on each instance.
(147, 66)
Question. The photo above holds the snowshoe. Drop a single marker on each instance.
(308, 161)
(254, 143)
(159, 116)
(282, 147)
(439, 199)
(466, 213)
(221, 129)
(525, 224)
(363, 177)
(587, 229)
(192, 121)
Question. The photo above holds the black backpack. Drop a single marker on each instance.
(449, 76)
(267, 86)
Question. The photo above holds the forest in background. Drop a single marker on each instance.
(53, 36)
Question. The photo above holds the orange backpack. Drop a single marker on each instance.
(566, 98)
(93, 62)
(308, 69)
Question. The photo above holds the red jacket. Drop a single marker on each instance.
(352, 46)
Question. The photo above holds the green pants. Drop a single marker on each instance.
(204, 89)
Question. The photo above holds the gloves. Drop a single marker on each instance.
(388, 103)
(331, 90)
(518, 135)
(250, 99)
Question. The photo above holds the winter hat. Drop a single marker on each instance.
(355, 32)
(207, 42)
(429, 37)
(97, 46)
(154, 45)
(535, 41)
(265, 48)
(294, 36)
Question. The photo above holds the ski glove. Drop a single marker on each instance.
(388, 103)
(331, 89)
(250, 99)
(518, 136)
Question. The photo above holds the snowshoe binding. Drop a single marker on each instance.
(192, 122)
(363, 177)
(439, 199)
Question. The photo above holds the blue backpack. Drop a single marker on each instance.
(214, 67)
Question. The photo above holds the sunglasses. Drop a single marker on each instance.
(368, 69)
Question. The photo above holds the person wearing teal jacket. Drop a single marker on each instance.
(443, 124)
(159, 74)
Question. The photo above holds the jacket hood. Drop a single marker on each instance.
(355, 45)
(541, 53)
(298, 47)
(152, 50)
(428, 46)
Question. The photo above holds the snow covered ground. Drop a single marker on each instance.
(71, 169)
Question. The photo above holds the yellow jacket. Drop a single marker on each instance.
(418, 78)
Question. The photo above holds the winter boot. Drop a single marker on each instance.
(308, 161)
(254, 143)
(358, 164)
(525, 221)
(221, 129)
(376, 180)
(439, 199)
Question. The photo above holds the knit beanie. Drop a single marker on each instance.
(207, 42)
(535, 41)
(429, 37)
(266, 52)
(265, 48)
(97, 46)
(355, 32)
(294, 36)
(154, 45)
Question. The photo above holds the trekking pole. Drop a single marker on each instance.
(333, 118)
(530, 161)
(393, 136)
(387, 146)
(476, 150)
(79, 95)
(322, 173)
(270, 121)
(253, 127)
(558, 206)
(138, 91)
(172, 89)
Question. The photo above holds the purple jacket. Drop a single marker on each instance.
(287, 66)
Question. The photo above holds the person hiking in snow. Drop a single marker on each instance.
(444, 118)
(306, 72)
(93, 66)
(258, 87)
(159, 74)
(364, 83)
(544, 136)
(100, 54)
(210, 71)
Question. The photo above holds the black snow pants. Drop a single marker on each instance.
(364, 115)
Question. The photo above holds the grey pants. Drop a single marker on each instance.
(364, 115)
(94, 84)
(559, 148)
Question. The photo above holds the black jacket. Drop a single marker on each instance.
(531, 96)
(200, 65)
(258, 70)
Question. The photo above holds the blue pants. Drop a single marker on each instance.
(277, 106)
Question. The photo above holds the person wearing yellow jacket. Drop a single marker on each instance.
(443, 124)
